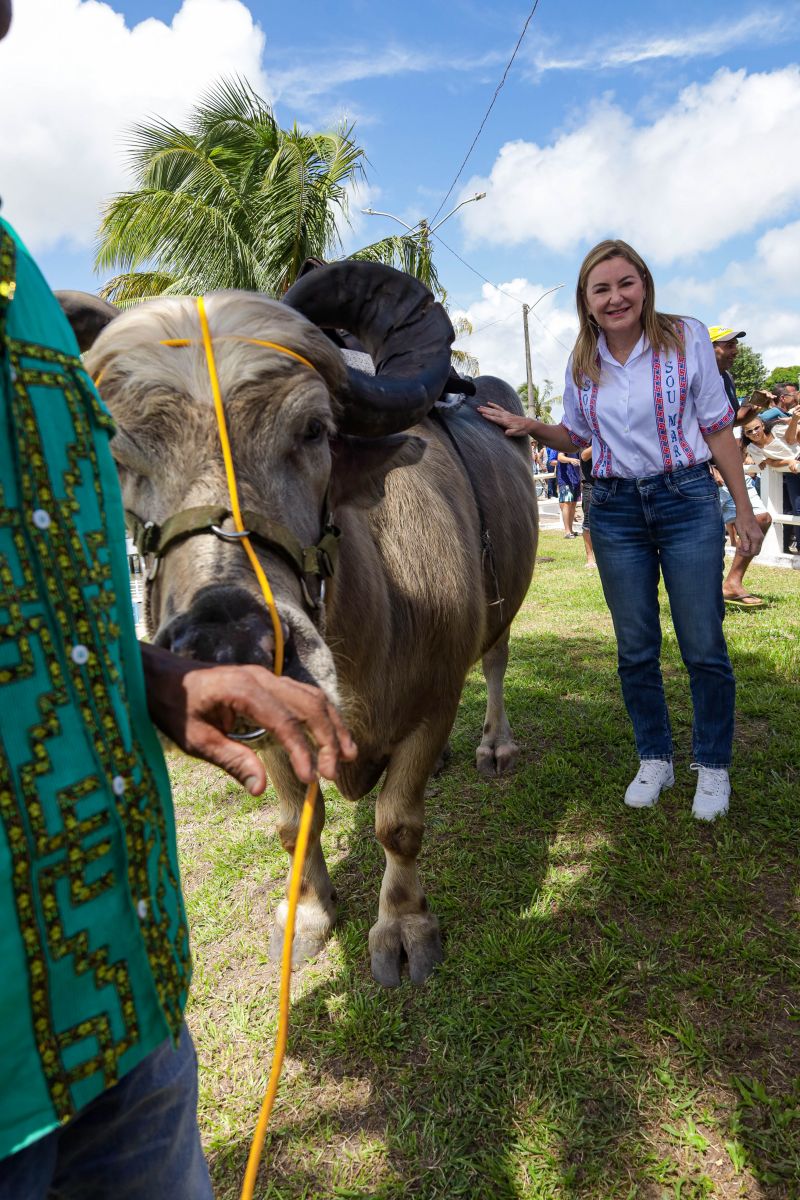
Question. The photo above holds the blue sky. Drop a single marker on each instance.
(672, 125)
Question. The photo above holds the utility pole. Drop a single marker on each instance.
(531, 407)
(424, 246)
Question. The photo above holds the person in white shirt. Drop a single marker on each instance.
(643, 388)
(778, 448)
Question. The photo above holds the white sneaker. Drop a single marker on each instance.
(713, 792)
(653, 776)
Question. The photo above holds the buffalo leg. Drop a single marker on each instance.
(316, 908)
(498, 751)
(404, 923)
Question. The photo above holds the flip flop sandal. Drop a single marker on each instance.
(745, 601)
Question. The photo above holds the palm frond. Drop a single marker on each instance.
(465, 363)
(232, 200)
(135, 286)
(180, 234)
(407, 252)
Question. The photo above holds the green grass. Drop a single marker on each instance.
(617, 1015)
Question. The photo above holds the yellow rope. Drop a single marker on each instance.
(295, 880)
(307, 814)
(230, 337)
(236, 337)
(233, 490)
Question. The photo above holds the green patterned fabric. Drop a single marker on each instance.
(93, 938)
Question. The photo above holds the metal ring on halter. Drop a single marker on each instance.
(233, 535)
(251, 736)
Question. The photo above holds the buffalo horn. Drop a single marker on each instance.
(87, 314)
(397, 320)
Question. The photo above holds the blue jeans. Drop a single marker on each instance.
(672, 523)
(137, 1141)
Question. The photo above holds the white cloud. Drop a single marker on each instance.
(674, 188)
(77, 77)
(498, 342)
(778, 254)
(757, 294)
(765, 26)
(310, 78)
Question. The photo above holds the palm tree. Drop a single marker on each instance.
(231, 201)
(543, 400)
(410, 252)
(464, 362)
(234, 201)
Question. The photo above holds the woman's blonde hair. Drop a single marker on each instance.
(663, 329)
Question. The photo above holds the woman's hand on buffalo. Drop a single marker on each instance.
(513, 424)
(197, 705)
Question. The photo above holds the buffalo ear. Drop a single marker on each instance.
(87, 314)
(360, 466)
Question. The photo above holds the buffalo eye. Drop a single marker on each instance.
(313, 430)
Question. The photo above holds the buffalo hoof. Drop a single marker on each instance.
(304, 947)
(414, 936)
(492, 761)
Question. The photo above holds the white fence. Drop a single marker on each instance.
(772, 495)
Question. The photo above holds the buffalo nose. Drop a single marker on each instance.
(223, 625)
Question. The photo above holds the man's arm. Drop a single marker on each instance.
(728, 459)
(197, 705)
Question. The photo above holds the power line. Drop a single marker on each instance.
(475, 271)
(486, 114)
(549, 331)
(489, 324)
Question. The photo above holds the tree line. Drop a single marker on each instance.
(749, 372)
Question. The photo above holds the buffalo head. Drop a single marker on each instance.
(309, 439)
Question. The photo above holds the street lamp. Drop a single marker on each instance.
(425, 229)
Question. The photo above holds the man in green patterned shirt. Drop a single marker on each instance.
(99, 1084)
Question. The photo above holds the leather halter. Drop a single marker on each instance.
(312, 565)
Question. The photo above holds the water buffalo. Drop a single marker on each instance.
(438, 535)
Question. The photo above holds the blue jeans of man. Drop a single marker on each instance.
(670, 524)
(137, 1141)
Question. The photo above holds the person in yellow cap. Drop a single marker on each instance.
(726, 346)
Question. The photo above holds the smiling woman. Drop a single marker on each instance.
(644, 391)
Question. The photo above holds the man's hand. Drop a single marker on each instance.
(197, 705)
(750, 534)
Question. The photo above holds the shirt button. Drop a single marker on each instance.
(79, 654)
(141, 909)
(118, 785)
(41, 519)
